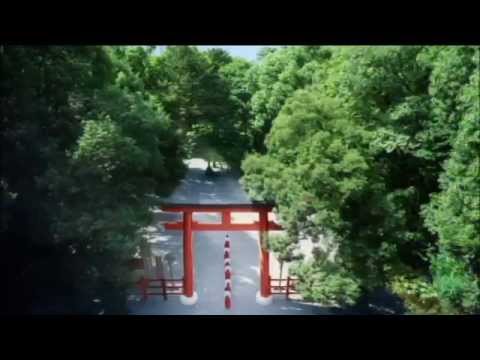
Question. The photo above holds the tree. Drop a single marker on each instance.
(284, 250)
(92, 147)
(316, 167)
(238, 135)
(218, 58)
(357, 155)
(454, 214)
(274, 79)
(205, 96)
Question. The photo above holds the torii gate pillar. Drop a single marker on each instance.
(264, 296)
(189, 296)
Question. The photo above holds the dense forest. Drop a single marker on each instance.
(372, 150)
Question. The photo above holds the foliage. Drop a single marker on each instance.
(284, 250)
(92, 144)
(419, 295)
(274, 79)
(457, 286)
(454, 213)
(282, 246)
(377, 146)
(204, 94)
(327, 283)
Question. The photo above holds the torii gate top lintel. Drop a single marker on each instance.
(225, 209)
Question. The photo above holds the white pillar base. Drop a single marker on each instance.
(189, 300)
(261, 300)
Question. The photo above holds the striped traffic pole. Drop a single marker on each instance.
(228, 274)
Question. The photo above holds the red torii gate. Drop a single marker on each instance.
(190, 296)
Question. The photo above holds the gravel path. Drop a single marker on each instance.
(196, 188)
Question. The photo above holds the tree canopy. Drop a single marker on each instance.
(376, 147)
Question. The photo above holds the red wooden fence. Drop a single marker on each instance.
(288, 287)
(160, 286)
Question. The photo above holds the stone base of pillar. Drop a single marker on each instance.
(262, 300)
(189, 300)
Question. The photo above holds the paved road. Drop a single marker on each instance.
(196, 188)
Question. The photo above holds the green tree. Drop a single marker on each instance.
(204, 94)
(91, 148)
(454, 213)
(274, 79)
(358, 154)
(284, 249)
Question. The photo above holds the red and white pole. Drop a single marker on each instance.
(228, 274)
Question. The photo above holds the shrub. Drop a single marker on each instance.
(327, 283)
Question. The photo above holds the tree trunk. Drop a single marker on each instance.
(159, 268)
(170, 270)
(281, 270)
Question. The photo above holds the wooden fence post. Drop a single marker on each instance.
(144, 284)
(288, 286)
(164, 289)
